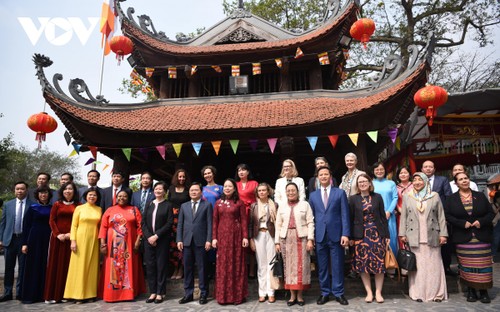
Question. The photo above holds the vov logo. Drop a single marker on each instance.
(58, 30)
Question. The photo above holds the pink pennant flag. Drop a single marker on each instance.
(392, 133)
(161, 150)
(272, 144)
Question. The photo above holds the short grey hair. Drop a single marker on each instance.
(352, 155)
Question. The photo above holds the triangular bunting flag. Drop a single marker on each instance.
(67, 137)
(194, 68)
(172, 72)
(272, 144)
(234, 145)
(333, 139)
(76, 147)
(256, 69)
(197, 147)
(253, 144)
(127, 152)
(73, 153)
(134, 74)
(398, 143)
(323, 58)
(298, 53)
(149, 71)
(312, 141)
(93, 150)
(354, 138)
(161, 150)
(279, 62)
(91, 160)
(392, 133)
(105, 167)
(177, 148)
(373, 135)
(216, 145)
(217, 68)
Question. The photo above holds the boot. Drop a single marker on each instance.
(471, 295)
(483, 296)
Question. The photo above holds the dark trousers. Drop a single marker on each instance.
(156, 258)
(191, 255)
(12, 252)
(330, 256)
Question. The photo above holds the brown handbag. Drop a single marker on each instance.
(390, 259)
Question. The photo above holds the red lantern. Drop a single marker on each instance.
(121, 45)
(42, 123)
(362, 29)
(430, 98)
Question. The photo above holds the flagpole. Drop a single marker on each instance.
(101, 75)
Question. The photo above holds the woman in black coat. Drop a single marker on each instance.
(156, 246)
(369, 235)
(470, 215)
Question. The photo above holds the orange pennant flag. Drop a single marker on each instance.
(216, 145)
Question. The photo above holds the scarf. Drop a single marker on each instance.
(424, 194)
(263, 211)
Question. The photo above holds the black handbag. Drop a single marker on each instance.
(406, 259)
(277, 265)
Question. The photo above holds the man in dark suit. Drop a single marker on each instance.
(332, 231)
(93, 177)
(194, 236)
(10, 238)
(109, 193)
(42, 179)
(144, 196)
(441, 186)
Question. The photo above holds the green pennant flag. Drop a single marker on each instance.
(234, 145)
(373, 135)
(127, 152)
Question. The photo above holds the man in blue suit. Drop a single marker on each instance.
(144, 196)
(10, 238)
(93, 177)
(332, 231)
(194, 237)
(440, 185)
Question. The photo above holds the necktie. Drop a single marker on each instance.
(325, 198)
(194, 209)
(114, 196)
(143, 200)
(19, 217)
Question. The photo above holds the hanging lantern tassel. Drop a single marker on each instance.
(362, 29)
(122, 46)
(430, 113)
(42, 123)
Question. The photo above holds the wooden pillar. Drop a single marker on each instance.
(164, 86)
(315, 77)
(285, 75)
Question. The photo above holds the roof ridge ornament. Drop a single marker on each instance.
(332, 9)
(240, 12)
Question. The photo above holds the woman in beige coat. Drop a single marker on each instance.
(423, 227)
(295, 239)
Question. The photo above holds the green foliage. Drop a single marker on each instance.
(137, 91)
(18, 163)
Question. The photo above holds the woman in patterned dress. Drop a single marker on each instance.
(178, 193)
(369, 235)
(295, 239)
(470, 215)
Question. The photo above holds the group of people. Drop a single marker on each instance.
(88, 243)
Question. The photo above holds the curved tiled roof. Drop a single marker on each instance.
(140, 36)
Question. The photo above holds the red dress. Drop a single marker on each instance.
(229, 229)
(247, 194)
(122, 268)
(402, 190)
(60, 218)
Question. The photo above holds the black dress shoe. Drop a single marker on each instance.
(301, 303)
(291, 303)
(5, 298)
(342, 300)
(483, 296)
(471, 295)
(322, 300)
(159, 300)
(150, 300)
(186, 299)
(203, 300)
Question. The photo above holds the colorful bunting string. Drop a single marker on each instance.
(235, 70)
(256, 69)
(312, 141)
(333, 139)
(272, 144)
(177, 148)
(196, 147)
(298, 53)
(161, 150)
(354, 138)
(216, 145)
(373, 135)
(234, 145)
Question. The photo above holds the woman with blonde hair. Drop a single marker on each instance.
(288, 174)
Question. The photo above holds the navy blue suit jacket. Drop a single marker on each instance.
(8, 219)
(136, 198)
(107, 197)
(441, 185)
(198, 228)
(333, 221)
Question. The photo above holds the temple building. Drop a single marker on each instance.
(243, 91)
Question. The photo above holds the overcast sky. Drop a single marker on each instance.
(67, 31)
